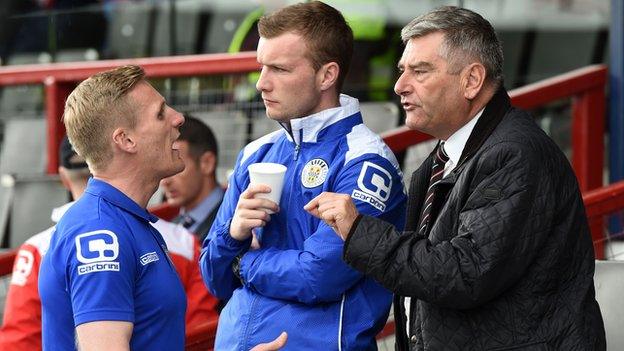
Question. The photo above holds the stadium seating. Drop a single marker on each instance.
(130, 30)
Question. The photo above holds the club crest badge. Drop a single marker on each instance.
(314, 173)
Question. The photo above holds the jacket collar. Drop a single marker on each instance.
(455, 144)
(314, 128)
(111, 194)
(493, 114)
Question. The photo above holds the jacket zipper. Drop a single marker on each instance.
(292, 136)
(297, 148)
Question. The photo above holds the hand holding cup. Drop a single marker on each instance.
(259, 200)
(270, 174)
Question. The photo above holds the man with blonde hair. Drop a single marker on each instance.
(106, 281)
(21, 325)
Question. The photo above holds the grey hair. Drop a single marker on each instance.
(467, 36)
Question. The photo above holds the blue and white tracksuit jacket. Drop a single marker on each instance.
(297, 282)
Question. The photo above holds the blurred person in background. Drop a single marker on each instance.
(196, 189)
(497, 253)
(21, 327)
(106, 281)
(292, 278)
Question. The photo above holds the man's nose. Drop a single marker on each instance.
(178, 120)
(263, 83)
(401, 87)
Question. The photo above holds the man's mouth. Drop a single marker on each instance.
(407, 106)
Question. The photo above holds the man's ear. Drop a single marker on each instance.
(327, 75)
(208, 163)
(124, 141)
(473, 78)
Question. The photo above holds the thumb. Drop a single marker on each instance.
(274, 345)
(280, 341)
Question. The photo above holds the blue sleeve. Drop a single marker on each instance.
(101, 272)
(219, 249)
(317, 273)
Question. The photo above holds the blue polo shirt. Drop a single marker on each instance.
(107, 263)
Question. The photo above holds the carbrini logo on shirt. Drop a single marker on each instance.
(98, 250)
(148, 258)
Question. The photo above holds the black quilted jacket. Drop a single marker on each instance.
(508, 263)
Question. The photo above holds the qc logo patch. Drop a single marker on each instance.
(314, 173)
(374, 186)
(98, 250)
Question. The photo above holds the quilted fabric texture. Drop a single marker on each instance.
(508, 263)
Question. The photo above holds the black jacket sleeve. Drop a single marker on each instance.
(498, 224)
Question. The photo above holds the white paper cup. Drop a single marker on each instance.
(271, 174)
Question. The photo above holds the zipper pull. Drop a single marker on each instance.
(297, 147)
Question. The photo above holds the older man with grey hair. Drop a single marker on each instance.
(496, 254)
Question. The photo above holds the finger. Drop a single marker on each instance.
(274, 345)
(313, 207)
(328, 216)
(255, 243)
(320, 199)
(280, 341)
(254, 189)
(332, 217)
(252, 214)
(326, 206)
(320, 203)
(313, 211)
(253, 223)
(314, 202)
(258, 203)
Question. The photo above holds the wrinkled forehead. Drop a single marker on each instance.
(426, 48)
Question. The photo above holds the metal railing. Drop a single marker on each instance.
(59, 79)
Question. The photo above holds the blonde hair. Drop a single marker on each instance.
(96, 107)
